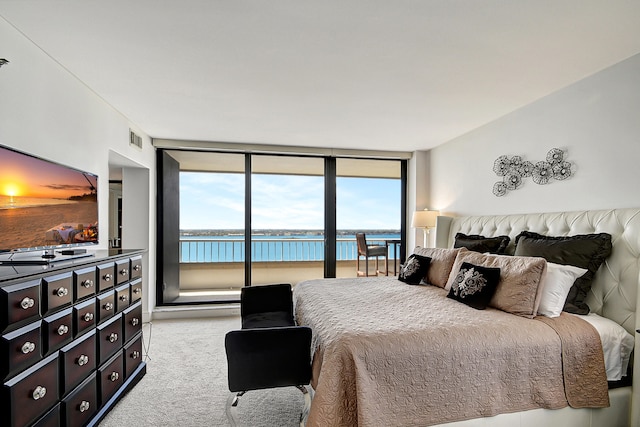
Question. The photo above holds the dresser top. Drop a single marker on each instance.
(31, 263)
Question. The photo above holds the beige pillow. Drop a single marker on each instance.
(441, 263)
(520, 287)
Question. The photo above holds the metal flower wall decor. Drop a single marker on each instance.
(513, 170)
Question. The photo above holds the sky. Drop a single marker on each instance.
(26, 176)
(216, 201)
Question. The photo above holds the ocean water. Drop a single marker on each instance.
(271, 248)
(13, 202)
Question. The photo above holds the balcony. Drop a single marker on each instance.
(213, 269)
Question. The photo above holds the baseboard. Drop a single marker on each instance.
(195, 311)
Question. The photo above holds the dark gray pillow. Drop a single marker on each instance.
(474, 285)
(478, 243)
(414, 269)
(585, 251)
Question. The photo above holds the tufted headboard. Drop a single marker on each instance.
(614, 293)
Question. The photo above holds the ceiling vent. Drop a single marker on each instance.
(135, 139)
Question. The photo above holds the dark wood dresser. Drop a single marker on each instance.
(71, 342)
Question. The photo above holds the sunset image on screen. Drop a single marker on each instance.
(28, 177)
(43, 203)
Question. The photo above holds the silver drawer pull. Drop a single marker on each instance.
(135, 321)
(123, 297)
(108, 306)
(63, 329)
(83, 360)
(107, 277)
(137, 291)
(135, 354)
(28, 347)
(113, 337)
(39, 392)
(124, 272)
(114, 376)
(88, 317)
(87, 283)
(137, 267)
(84, 406)
(27, 303)
(62, 291)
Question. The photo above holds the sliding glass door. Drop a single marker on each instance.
(368, 200)
(287, 214)
(212, 226)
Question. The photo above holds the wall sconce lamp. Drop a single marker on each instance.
(426, 220)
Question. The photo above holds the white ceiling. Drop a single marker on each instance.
(362, 74)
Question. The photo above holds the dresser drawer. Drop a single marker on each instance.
(122, 271)
(132, 321)
(57, 330)
(136, 290)
(122, 297)
(20, 348)
(132, 355)
(111, 377)
(84, 283)
(84, 316)
(106, 276)
(19, 303)
(77, 361)
(31, 393)
(109, 338)
(51, 418)
(136, 267)
(56, 292)
(81, 404)
(106, 305)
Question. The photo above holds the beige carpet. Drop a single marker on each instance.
(186, 382)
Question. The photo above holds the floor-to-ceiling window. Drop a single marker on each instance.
(247, 219)
(369, 201)
(287, 218)
(212, 210)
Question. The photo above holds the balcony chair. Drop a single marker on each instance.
(369, 251)
(270, 350)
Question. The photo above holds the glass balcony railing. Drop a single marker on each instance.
(212, 250)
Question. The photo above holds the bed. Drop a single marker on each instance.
(384, 355)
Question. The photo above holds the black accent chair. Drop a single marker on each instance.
(270, 350)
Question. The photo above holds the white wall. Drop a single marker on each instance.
(46, 111)
(597, 120)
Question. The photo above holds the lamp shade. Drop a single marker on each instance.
(424, 219)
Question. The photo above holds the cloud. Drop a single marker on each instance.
(216, 201)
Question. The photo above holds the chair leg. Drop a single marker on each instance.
(233, 400)
(386, 264)
(232, 408)
(307, 404)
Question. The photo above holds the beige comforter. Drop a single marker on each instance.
(387, 353)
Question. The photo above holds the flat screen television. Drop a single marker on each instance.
(45, 205)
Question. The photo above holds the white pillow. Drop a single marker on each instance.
(555, 287)
(617, 344)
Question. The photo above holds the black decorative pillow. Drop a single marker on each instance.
(474, 285)
(475, 242)
(415, 269)
(585, 251)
